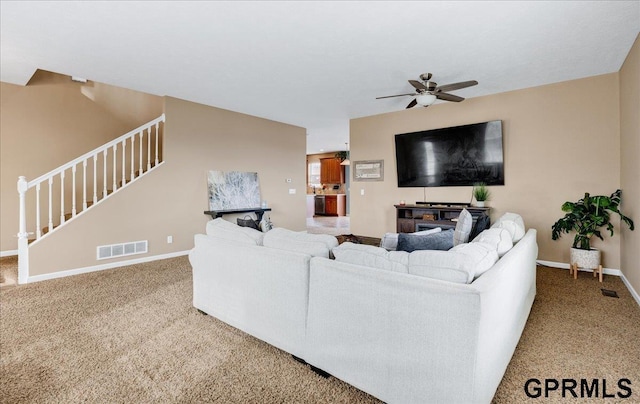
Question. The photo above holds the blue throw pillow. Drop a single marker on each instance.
(438, 241)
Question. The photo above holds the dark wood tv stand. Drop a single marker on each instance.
(428, 215)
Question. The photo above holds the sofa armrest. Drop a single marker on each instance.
(507, 292)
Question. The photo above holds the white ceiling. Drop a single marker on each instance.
(315, 64)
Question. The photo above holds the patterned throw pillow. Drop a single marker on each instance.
(463, 228)
(265, 224)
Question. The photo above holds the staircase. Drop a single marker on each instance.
(82, 184)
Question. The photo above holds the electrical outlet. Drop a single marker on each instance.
(292, 191)
(362, 191)
(169, 239)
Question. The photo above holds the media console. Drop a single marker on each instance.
(429, 215)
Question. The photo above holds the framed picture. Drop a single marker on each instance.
(368, 170)
(233, 190)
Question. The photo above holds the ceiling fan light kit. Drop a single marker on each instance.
(427, 91)
(425, 99)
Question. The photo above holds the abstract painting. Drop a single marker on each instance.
(233, 190)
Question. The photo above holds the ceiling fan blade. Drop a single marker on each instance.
(456, 86)
(418, 85)
(412, 104)
(389, 96)
(448, 97)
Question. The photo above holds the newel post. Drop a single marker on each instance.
(23, 236)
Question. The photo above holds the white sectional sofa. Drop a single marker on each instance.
(386, 322)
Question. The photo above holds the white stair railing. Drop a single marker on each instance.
(108, 176)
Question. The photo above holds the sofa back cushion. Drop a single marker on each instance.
(316, 245)
(498, 238)
(225, 229)
(513, 223)
(371, 256)
(462, 264)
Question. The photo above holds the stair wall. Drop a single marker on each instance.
(170, 200)
(53, 120)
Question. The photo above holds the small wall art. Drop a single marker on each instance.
(368, 170)
(233, 190)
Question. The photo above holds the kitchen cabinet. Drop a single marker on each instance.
(331, 172)
(335, 205)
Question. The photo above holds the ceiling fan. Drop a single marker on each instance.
(428, 91)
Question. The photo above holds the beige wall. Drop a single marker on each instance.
(171, 200)
(49, 122)
(630, 162)
(560, 141)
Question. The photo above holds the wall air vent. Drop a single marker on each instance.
(122, 249)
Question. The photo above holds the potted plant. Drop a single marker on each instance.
(586, 217)
(481, 193)
(342, 155)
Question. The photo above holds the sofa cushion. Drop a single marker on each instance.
(462, 264)
(371, 256)
(442, 240)
(513, 223)
(499, 239)
(223, 228)
(463, 227)
(316, 245)
(390, 240)
(480, 256)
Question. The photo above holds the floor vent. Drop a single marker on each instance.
(609, 293)
(121, 250)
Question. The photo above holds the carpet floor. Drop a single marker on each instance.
(131, 335)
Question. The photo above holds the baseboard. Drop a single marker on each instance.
(631, 289)
(606, 271)
(78, 271)
(564, 265)
(8, 253)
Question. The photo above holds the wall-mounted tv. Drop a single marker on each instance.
(456, 156)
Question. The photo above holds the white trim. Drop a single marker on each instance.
(607, 271)
(77, 271)
(563, 265)
(8, 253)
(631, 289)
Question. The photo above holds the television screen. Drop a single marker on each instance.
(456, 156)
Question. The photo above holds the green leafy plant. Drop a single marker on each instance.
(587, 216)
(481, 192)
(342, 155)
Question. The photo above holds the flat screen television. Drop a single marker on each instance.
(456, 156)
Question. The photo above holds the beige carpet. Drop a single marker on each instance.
(130, 335)
(8, 271)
